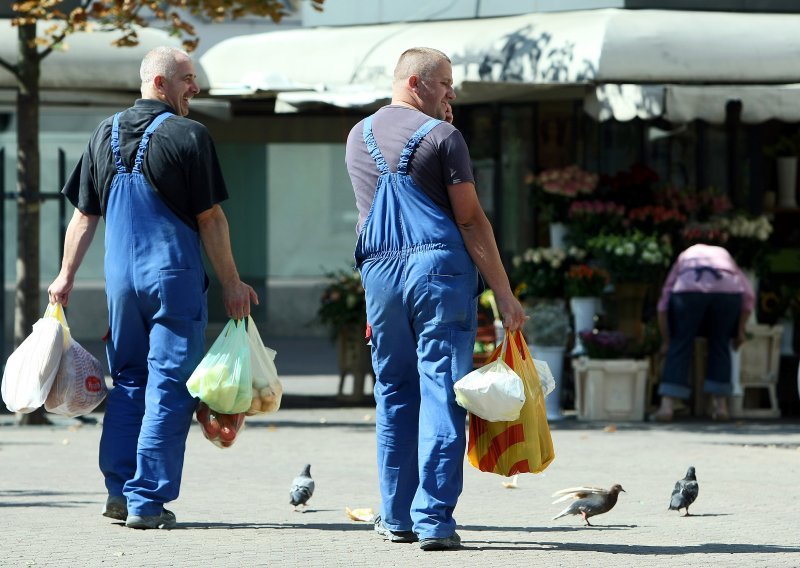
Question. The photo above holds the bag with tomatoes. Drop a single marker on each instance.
(220, 429)
(223, 379)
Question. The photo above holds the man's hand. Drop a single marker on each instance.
(237, 297)
(59, 290)
(511, 311)
(448, 113)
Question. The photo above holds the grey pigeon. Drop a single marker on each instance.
(685, 492)
(302, 488)
(588, 501)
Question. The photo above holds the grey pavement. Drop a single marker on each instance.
(234, 505)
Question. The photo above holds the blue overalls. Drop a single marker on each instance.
(421, 290)
(156, 290)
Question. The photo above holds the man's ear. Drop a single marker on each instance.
(413, 82)
(158, 82)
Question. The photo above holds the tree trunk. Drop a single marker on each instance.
(26, 299)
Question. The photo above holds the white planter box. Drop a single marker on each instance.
(612, 389)
(760, 359)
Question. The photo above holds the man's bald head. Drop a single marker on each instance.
(420, 61)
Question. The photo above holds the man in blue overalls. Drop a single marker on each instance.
(421, 234)
(155, 178)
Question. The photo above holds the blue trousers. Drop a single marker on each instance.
(691, 314)
(422, 309)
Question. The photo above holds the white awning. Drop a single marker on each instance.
(88, 64)
(620, 58)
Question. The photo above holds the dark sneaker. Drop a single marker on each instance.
(116, 508)
(394, 536)
(452, 542)
(166, 520)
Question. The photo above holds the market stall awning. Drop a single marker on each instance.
(624, 59)
(88, 66)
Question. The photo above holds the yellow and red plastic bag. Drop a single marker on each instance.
(523, 445)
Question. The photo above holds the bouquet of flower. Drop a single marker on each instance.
(656, 219)
(747, 237)
(558, 187)
(342, 302)
(583, 280)
(700, 205)
(591, 217)
(601, 344)
(703, 234)
(539, 272)
(631, 257)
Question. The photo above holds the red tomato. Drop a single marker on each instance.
(227, 434)
(202, 413)
(212, 428)
(238, 420)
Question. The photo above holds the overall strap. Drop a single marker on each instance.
(413, 142)
(115, 145)
(372, 147)
(137, 165)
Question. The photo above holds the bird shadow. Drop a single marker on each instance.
(707, 515)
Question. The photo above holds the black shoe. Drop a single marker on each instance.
(116, 508)
(394, 536)
(166, 520)
(452, 542)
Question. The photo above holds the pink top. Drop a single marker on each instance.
(706, 268)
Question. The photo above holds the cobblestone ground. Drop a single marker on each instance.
(234, 510)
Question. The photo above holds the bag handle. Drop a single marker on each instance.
(57, 311)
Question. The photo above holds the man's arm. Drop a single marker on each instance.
(77, 240)
(479, 240)
(236, 295)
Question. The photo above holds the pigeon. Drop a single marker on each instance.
(302, 488)
(685, 492)
(588, 501)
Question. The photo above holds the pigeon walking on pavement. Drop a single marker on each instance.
(302, 488)
(684, 493)
(588, 501)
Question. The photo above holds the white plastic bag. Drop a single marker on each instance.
(267, 388)
(494, 392)
(80, 383)
(545, 376)
(31, 368)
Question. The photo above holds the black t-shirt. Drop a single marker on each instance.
(180, 163)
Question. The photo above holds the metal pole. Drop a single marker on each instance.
(62, 203)
(3, 254)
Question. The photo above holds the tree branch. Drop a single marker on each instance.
(13, 69)
(68, 29)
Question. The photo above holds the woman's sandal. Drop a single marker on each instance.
(661, 417)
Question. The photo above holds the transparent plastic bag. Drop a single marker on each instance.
(267, 388)
(220, 429)
(32, 367)
(223, 379)
(494, 392)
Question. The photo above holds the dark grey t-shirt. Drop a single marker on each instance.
(441, 159)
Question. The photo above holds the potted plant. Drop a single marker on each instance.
(547, 332)
(540, 272)
(584, 285)
(555, 189)
(609, 385)
(343, 309)
(785, 152)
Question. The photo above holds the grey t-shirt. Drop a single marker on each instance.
(441, 159)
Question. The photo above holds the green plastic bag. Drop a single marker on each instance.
(223, 379)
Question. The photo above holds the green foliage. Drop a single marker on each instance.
(342, 302)
(548, 325)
